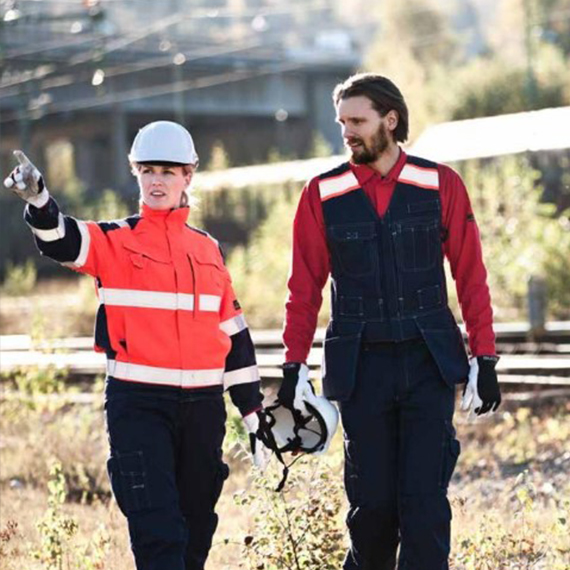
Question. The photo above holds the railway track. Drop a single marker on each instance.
(541, 363)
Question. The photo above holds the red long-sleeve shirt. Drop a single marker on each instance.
(311, 258)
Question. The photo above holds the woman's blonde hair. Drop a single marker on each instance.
(187, 198)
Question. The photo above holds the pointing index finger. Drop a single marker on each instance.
(22, 158)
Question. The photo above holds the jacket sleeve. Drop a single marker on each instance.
(462, 248)
(77, 244)
(241, 375)
(310, 268)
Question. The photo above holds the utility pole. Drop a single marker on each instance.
(531, 84)
(178, 95)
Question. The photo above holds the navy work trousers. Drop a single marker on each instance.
(166, 470)
(400, 453)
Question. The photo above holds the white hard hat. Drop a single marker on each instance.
(163, 141)
(310, 434)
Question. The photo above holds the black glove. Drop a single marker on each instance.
(286, 394)
(482, 393)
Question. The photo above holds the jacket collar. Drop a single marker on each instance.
(175, 216)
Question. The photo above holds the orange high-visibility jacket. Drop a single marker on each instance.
(167, 311)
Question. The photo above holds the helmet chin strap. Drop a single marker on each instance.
(266, 422)
(265, 433)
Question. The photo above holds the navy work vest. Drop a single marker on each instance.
(388, 279)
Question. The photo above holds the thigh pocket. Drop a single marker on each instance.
(451, 451)
(129, 481)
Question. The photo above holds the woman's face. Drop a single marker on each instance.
(162, 186)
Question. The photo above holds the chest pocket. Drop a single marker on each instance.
(418, 241)
(150, 268)
(354, 248)
(210, 277)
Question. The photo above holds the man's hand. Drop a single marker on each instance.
(482, 393)
(295, 386)
(259, 453)
(27, 182)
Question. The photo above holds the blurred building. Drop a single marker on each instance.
(78, 78)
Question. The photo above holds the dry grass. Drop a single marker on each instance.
(60, 307)
(510, 492)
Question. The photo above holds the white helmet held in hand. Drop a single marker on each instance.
(164, 141)
(311, 433)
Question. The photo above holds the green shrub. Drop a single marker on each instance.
(260, 270)
(56, 528)
(300, 528)
(34, 381)
(61, 545)
(20, 278)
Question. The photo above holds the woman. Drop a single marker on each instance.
(174, 336)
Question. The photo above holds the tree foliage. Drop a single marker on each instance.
(523, 67)
(411, 46)
(491, 86)
(521, 235)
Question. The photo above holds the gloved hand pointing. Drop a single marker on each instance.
(482, 393)
(295, 387)
(27, 182)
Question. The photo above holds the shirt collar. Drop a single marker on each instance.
(365, 173)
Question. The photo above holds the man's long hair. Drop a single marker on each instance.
(383, 94)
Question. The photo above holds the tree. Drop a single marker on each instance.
(415, 47)
(492, 85)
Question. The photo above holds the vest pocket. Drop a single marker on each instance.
(418, 245)
(447, 349)
(340, 365)
(353, 247)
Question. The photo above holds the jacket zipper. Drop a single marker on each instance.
(194, 292)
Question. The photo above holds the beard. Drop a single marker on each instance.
(372, 151)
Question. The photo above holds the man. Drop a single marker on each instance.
(381, 226)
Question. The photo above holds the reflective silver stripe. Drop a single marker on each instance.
(418, 176)
(85, 243)
(165, 376)
(146, 299)
(210, 303)
(331, 187)
(234, 325)
(51, 235)
(241, 376)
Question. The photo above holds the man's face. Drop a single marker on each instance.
(364, 131)
(162, 186)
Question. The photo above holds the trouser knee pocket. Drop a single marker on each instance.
(451, 451)
(221, 476)
(129, 481)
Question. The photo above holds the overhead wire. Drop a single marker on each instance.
(125, 42)
(181, 17)
(150, 63)
(211, 51)
(162, 90)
